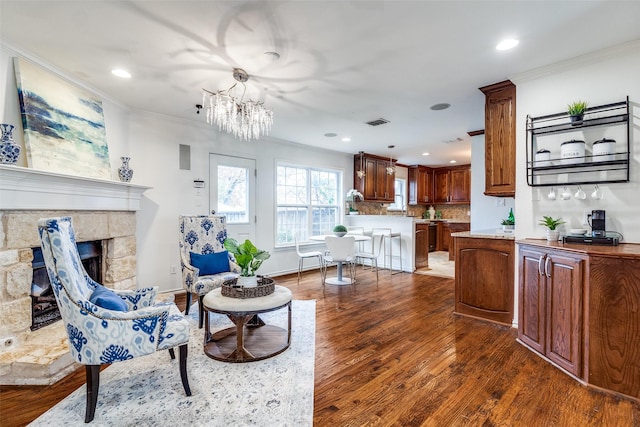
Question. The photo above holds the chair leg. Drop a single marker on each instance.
(93, 384)
(300, 265)
(200, 311)
(172, 353)
(183, 369)
(186, 311)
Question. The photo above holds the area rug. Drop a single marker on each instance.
(439, 265)
(147, 391)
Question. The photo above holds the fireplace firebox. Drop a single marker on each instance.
(44, 309)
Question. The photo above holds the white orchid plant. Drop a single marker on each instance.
(353, 195)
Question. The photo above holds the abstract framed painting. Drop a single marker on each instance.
(63, 124)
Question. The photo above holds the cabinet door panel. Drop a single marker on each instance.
(369, 192)
(500, 139)
(564, 312)
(531, 312)
(441, 186)
(422, 245)
(460, 185)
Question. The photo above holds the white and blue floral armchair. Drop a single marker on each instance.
(106, 326)
(204, 260)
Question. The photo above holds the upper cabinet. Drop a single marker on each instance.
(592, 149)
(500, 139)
(420, 185)
(376, 185)
(452, 185)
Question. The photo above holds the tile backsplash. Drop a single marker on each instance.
(456, 212)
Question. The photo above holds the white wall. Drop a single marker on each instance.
(152, 141)
(600, 78)
(486, 213)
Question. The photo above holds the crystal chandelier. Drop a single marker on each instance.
(391, 169)
(243, 119)
(361, 172)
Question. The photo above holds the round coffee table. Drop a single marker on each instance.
(250, 338)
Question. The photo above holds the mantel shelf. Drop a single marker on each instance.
(31, 189)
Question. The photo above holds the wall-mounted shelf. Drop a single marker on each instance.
(548, 132)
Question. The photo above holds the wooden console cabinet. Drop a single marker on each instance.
(578, 308)
(484, 278)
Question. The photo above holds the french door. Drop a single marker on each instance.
(232, 193)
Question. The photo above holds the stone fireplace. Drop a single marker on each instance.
(101, 211)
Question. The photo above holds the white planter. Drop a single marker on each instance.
(247, 281)
(553, 235)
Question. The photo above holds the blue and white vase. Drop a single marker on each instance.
(9, 150)
(125, 173)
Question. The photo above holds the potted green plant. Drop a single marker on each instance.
(508, 225)
(339, 230)
(249, 259)
(576, 110)
(552, 224)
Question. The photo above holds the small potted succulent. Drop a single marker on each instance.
(508, 225)
(576, 110)
(552, 224)
(339, 230)
(249, 258)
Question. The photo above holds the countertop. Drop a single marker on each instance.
(450, 221)
(623, 250)
(485, 234)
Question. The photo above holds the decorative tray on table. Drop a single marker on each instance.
(230, 288)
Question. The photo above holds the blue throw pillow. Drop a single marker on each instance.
(106, 298)
(217, 262)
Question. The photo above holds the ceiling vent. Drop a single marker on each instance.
(450, 141)
(377, 122)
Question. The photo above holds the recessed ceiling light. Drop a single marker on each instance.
(452, 161)
(425, 154)
(346, 139)
(331, 135)
(121, 73)
(441, 106)
(507, 44)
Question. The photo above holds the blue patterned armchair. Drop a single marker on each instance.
(106, 326)
(203, 236)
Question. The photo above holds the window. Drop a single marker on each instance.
(399, 204)
(307, 202)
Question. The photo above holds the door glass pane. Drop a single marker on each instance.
(232, 194)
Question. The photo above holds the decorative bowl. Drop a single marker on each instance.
(339, 233)
(578, 231)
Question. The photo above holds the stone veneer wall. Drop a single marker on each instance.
(42, 357)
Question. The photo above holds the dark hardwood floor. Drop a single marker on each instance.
(395, 355)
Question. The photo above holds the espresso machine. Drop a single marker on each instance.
(598, 227)
(598, 234)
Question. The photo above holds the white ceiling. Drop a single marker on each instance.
(342, 63)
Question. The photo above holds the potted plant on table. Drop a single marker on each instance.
(576, 110)
(552, 224)
(249, 258)
(339, 230)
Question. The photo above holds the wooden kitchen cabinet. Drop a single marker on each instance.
(420, 185)
(455, 227)
(484, 278)
(377, 185)
(578, 308)
(422, 245)
(500, 139)
(550, 305)
(452, 185)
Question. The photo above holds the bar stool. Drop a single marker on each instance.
(388, 236)
(358, 231)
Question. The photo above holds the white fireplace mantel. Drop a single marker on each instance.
(30, 189)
